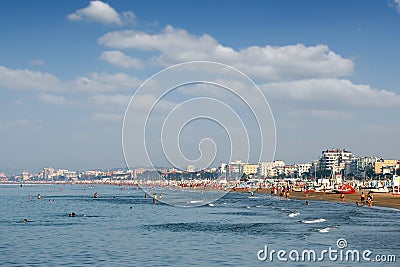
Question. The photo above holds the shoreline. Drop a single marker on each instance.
(387, 200)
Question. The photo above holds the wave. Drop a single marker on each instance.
(294, 214)
(314, 221)
(326, 230)
(195, 201)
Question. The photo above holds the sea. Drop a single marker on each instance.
(123, 228)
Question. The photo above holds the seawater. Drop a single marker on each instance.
(122, 228)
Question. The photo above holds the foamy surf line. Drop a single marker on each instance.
(195, 201)
(314, 221)
(326, 230)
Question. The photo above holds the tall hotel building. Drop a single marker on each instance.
(335, 159)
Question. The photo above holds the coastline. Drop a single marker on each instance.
(387, 200)
(380, 199)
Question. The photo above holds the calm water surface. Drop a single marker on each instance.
(122, 228)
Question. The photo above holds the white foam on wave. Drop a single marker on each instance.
(195, 201)
(211, 205)
(325, 230)
(294, 214)
(314, 221)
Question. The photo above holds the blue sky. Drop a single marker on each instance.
(67, 69)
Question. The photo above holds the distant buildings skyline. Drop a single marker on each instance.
(332, 162)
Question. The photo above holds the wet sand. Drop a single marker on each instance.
(380, 199)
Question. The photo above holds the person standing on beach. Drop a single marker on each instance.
(342, 198)
(287, 195)
(370, 199)
(362, 199)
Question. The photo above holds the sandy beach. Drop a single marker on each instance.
(380, 199)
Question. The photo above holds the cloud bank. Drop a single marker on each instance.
(262, 62)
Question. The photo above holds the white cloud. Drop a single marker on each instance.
(120, 59)
(110, 100)
(321, 114)
(52, 99)
(262, 62)
(101, 12)
(330, 92)
(105, 82)
(28, 80)
(395, 4)
(107, 117)
(22, 79)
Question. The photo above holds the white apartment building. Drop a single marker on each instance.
(271, 169)
(303, 168)
(335, 159)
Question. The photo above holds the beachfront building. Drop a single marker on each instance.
(71, 175)
(190, 168)
(235, 169)
(93, 174)
(223, 168)
(315, 168)
(303, 168)
(385, 166)
(335, 160)
(48, 174)
(271, 169)
(290, 170)
(296, 170)
(3, 177)
(362, 167)
(137, 172)
(250, 169)
(26, 176)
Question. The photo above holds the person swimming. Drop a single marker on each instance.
(25, 220)
(307, 203)
(155, 199)
(95, 195)
(72, 214)
(39, 196)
